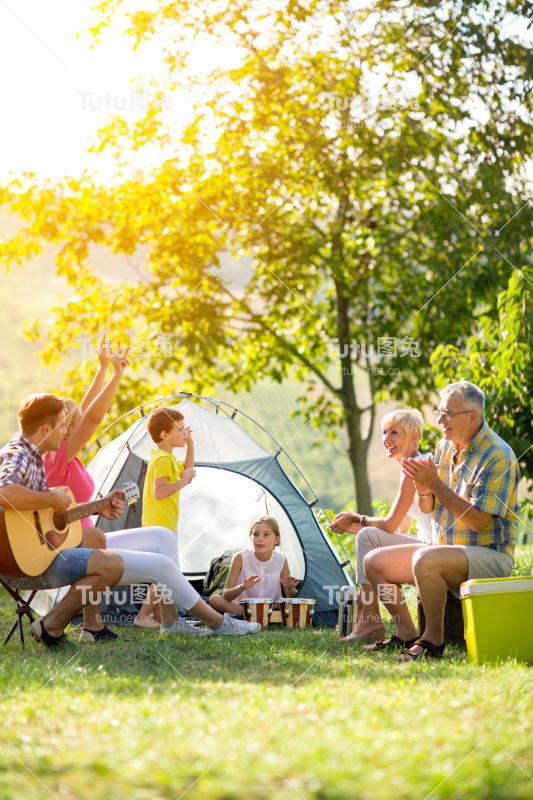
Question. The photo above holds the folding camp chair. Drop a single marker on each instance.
(22, 609)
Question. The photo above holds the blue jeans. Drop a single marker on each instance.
(67, 567)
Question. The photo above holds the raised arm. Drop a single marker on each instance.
(94, 415)
(104, 353)
(424, 498)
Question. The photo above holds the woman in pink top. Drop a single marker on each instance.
(256, 573)
(63, 467)
(62, 472)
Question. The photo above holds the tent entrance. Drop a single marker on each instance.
(237, 481)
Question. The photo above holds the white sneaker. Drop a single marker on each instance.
(180, 626)
(235, 627)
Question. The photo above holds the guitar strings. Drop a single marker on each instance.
(61, 518)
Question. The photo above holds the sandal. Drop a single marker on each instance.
(394, 643)
(429, 650)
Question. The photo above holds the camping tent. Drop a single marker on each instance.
(237, 480)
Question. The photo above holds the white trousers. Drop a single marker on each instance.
(150, 555)
(369, 539)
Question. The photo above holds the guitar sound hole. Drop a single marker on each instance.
(60, 522)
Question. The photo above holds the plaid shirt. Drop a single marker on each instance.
(21, 463)
(486, 475)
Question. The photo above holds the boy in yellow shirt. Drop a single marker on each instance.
(165, 477)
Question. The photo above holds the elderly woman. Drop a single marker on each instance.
(401, 433)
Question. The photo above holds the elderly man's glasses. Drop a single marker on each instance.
(449, 414)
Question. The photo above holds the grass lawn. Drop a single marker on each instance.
(282, 714)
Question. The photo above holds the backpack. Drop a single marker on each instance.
(217, 574)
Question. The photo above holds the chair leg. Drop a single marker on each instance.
(12, 630)
(23, 609)
(21, 630)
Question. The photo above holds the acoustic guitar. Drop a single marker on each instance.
(30, 540)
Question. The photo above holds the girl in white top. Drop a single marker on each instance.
(401, 432)
(259, 572)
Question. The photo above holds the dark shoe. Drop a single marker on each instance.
(40, 634)
(394, 643)
(429, 650)
(105, 635)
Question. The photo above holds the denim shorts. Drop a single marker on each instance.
(67, 567)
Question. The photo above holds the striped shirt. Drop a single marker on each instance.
(486, 475)
(21, 462)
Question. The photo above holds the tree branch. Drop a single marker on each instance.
(309, 364)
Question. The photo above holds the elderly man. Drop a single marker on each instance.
(472, 490)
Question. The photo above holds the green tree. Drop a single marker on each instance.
(361, 159)
(498, 357)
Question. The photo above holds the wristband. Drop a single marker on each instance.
(362, 520)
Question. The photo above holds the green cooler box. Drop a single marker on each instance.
(498, 615)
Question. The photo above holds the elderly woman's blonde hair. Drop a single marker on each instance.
(70, 407)
(410, 419)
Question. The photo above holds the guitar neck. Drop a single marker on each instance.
(95, 506)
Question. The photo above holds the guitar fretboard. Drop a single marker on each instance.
(85, 510)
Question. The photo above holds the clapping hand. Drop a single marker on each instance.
(251, 581)
(423, 472)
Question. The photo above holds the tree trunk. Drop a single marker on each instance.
(357, 453)
(357, 446)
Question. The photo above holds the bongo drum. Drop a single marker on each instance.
(257, 609)
(297, 612)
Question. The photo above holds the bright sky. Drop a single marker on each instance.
(55, 91)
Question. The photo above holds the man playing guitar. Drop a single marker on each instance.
(23, 487)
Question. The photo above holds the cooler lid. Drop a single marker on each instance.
(496, 586)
